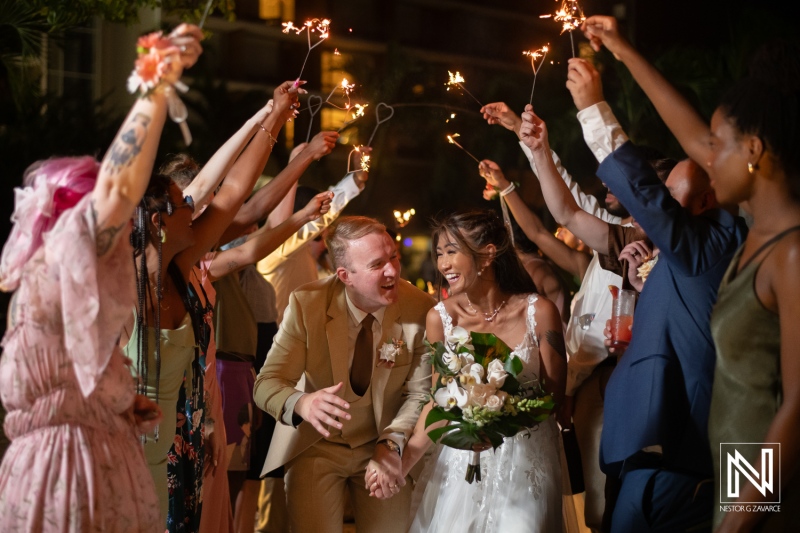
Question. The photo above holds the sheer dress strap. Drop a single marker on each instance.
(447, 321)
(531, 319)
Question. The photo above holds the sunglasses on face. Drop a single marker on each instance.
(188, 201)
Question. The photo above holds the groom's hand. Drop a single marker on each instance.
(321, 409)
(384, 474)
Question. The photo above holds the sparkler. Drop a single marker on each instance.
(321, 26)
(571, 16)
(458, 80)
(380, 120)
(346, 88)
(451, 139)
(205, 13)
(402, 219)
(314, 105)
(363, 161)
(534, 55)
(358, 112)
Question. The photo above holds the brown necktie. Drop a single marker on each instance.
(363, 355)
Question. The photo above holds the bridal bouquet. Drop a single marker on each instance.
(478, 393)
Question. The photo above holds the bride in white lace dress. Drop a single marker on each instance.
(490, 292)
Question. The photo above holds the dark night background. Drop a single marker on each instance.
(398, 52)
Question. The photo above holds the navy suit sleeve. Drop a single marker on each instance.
(693, 244)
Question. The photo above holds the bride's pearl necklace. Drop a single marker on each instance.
(488, 317)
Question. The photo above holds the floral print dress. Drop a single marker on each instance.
(75, 462)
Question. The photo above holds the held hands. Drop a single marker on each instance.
(322, 144)
(604, 31)
(583, 82)
(636, 254)
(384, 475)
(499, 113)
(533, 132)
(321, 408)
(318, 206)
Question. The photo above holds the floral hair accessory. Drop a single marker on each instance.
(156, 54)
(389, 352)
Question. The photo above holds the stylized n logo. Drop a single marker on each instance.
(735, 465)
(741, 466)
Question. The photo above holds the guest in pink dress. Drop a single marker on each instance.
(75, 462)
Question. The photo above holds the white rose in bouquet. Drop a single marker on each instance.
(495, 402)
(479, 393)
(496, 374)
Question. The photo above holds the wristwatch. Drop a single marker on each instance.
(392, 445)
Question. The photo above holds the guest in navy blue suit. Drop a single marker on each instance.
(657, 401)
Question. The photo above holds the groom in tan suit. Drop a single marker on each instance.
(355, 411)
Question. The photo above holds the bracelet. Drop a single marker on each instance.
(508, 190)
(272, 140)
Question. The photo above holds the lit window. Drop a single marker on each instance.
(332, 75)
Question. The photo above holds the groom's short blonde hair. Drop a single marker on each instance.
(347, 229)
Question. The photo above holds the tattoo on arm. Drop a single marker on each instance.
(232, 266)
(106, 237)
(556, 341)
(128, 144)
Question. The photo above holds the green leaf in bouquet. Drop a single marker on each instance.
(437, 433)
(438, 414)
(495, 438)
(489, 347)
(463, 438)
(513, 365)
(510, 385)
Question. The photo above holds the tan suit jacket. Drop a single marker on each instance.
(312, 342)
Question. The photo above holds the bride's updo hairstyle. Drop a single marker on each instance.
(472, 231)
(767, 104)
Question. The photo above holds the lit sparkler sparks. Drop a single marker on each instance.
(571, 17)
(363, 160)
(357, 112)
(346, 88)
(458, 80)
(541, 53)
(320, 26)
(452, 140)
(402, 219)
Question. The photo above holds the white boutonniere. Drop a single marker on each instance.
(389, 352)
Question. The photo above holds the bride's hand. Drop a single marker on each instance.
(384, 477)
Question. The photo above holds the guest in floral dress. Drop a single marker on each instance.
(73, 415)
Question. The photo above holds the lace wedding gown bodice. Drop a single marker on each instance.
(520, 489)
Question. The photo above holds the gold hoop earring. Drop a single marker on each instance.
(751, 168)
